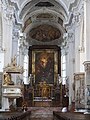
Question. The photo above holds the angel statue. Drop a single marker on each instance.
(7, 79)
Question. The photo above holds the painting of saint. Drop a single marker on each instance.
(44, 67)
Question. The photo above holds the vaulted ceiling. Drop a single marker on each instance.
(43, 20)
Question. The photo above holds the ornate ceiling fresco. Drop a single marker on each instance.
(37, 18)
(45, 33)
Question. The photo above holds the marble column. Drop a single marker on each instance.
(87, 52)
(70, 62)
(87, 29)
(87, 84)
(23, 57)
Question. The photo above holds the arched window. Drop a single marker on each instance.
(25, 74)
(63, 69)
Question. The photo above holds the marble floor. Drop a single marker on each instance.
(43, 113)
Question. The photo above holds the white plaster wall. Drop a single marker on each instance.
(87, 29)
(82, 52)
(15, 47)
(70, 69)
(1, 61)
(0, 31)
(7, 38)
(77, 53)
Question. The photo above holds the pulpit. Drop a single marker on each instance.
(11, 89)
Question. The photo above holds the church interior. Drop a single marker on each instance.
(44, 60)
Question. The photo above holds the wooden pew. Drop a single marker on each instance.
(15, 115)
(70, 116)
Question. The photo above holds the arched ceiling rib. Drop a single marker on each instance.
(29, 12)
(30, 6)
(63, 3)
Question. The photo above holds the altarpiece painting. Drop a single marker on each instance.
(45, 66)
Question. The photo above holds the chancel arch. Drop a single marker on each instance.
(44, 69)
(44, 30)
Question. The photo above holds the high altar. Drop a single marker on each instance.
(43, 92)
(43, 89)
(44, 67)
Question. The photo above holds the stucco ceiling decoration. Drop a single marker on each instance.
(44, 4)
(45, 33)
(34, 5)
(44, 16)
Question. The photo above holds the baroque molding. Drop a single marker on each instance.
(86, 0)
(76, 14)
(87, 66)
(79, 76)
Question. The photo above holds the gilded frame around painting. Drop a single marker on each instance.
(45, 65)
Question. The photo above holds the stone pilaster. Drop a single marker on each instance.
(7, 25)
(87, 29)
(69, 51)
(87, 84)
(23, 57)
(75, 44)
(15, 38)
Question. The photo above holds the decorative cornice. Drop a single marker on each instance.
(76, 13)
(79, 76)
(86, 0)
(87, 66)
(15, 5)
(74, 4)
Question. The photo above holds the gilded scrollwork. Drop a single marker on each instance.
(7, 79)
